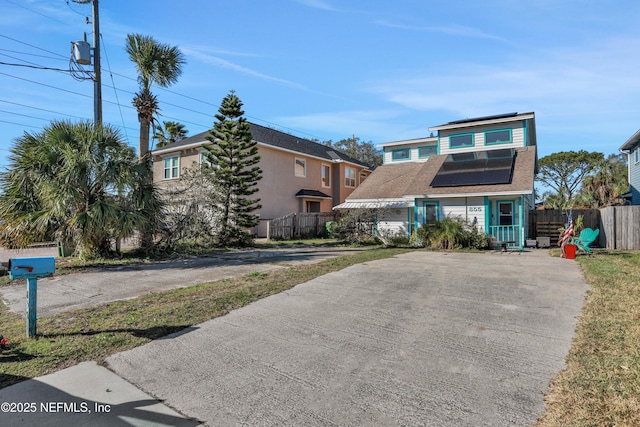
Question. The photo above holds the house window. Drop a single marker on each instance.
(427, 151)
(301, 167)
(637, 151)
(171, 167)
(204, 160)
(505, 210)
(326, 176)
(313, 206)
(349, 177)
(502, 136)
(430, 212)
(401, 154)
(461, 140)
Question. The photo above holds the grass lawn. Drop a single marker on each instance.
(95, 333)
(601, 384)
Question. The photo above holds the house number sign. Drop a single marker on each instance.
(475, 208)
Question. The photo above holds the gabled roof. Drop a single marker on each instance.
(631, 142)
(388, 181)
(413, 180)
(274, 138)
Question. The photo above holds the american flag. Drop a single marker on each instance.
(568, 232)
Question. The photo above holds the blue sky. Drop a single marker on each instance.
(327, 69)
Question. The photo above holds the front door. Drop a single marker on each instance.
(505, 210)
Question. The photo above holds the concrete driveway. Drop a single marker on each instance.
(442, 339)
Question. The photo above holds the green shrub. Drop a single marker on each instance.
(356, 226)
(449, 233)
(398, 241)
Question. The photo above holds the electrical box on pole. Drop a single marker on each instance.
(82, 52)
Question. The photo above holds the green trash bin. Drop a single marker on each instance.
(64, 250)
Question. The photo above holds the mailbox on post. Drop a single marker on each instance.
(31, 269)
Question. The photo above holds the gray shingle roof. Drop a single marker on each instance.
(279, 139)
(414, 179)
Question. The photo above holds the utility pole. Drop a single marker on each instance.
(97, 80)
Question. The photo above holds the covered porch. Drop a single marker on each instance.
(510, 234)
(507, 220)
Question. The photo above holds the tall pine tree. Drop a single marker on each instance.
(234, 158)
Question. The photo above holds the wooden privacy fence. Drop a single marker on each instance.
(545, 223)
(297, 225)
(620, 227)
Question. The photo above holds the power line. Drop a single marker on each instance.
(115, 91)
(117, 103)
(120, 106)
(36, 67)
(46, 85)
(24, 115)
(19, 124)
(41, 109)
(33, 46)
(73, 10)
(31, 54)
(36, 12)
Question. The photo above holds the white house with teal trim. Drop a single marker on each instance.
(632, 148)
(481, 170)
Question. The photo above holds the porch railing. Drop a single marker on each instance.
(506, 233)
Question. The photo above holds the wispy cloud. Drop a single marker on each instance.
(201, 49)
(223, 63)
(318, 4)
(451, 29)
(559, 80)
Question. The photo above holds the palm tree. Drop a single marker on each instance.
(160, 64)
(605, 186)
(172, 132)
(156, 63)
(74, 183)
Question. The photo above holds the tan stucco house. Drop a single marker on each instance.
(481, 170)
(298, 175)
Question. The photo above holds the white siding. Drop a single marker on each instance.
(467, 210)
(517, 138)
(394, 222)
(413, 147)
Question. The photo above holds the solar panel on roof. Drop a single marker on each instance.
(477, 119)
(484, 167)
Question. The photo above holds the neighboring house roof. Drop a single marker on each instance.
(410, 180)
(274, 138)
(631, 142)
(312, 194)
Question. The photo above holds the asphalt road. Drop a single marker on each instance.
(87, 289)
(436, 339)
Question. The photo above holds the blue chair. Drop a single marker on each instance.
(586, 238)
